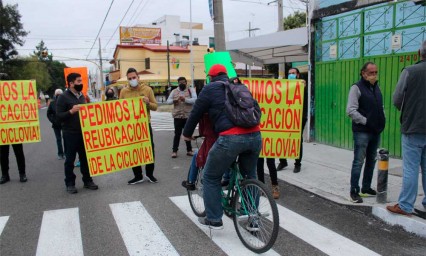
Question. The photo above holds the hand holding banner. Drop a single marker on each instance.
(116, 135)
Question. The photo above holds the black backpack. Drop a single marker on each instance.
(241, 108)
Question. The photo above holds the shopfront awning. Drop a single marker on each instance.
(284, 46)
(151, 79)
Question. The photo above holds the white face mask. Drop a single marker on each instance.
(133, 82)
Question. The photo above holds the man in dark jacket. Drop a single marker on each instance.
(233, 141)
(56, 125)
(68, 107)
(365, 108)
(410, 98)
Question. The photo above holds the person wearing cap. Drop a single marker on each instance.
(233, 142)
(56, 125)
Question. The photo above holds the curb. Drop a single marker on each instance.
(415, 225)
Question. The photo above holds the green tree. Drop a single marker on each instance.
(11, 31)
(295, 20)
(28, 68)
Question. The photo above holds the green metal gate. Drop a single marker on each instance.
(343, 44)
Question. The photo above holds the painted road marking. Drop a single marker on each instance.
(3, 221)
(227, 239)
(140, 233)
(60, 233)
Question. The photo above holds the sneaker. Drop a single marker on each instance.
(91, 185)
(224, 183)
(174, 154)
(23, 178)
(188, 185)
(397, 210)
(4, 179)
(355, 198)
(152, 179)
(275, 191)
(77, 164)
(253, 225)
(368, 192)
(281, 166)
(297, 168)
(212, 225)
(190, 153)
(135, 181)
(71, 189)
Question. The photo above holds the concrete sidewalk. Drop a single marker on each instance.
(326, 173)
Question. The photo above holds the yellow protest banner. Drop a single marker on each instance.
(19, 121)
(116, 135)
(281, 102)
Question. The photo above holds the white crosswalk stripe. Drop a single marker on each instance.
(3, 221)
(60, 232)
(162, 121)
(140, 239)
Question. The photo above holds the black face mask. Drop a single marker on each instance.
(78, 87)
(182, 87)
(110, 95)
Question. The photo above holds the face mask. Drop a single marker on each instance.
(292, 76)
(371, 79)
(110, 95)
(182, 87)
(133, 82)
(78, 87)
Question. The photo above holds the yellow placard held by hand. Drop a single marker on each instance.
(116, 135)
(19, 119)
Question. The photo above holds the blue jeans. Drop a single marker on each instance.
(365, 147)
(413, 156)
(223, 153)
(193, 169)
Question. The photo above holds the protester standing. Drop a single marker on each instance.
(365, 108)
(56, 125)
(67, 112)
(138, 89)
(410, 98)
(182, 98)
(20, 160)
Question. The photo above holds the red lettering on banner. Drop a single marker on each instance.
(95, 165)
(281, 119)
(31, 92)
(297, 95)
(278, 92)
(280, 147)
(83, 114)
(88, 140)
(112, 163)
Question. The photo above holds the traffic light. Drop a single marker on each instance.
(44, 54)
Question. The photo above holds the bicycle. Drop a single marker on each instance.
(249, 204)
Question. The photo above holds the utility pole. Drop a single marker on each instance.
(219, 26)
(280, 28)
(168, 65)
(250, 30)
(191, 41)
(102, 72)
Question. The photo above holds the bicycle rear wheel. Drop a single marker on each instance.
(256, 216)
(196, 196)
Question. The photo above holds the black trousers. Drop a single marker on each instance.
(298, 161)
(137, 170)
(270, 162)
(20, 159)
(74, 144)
(179, 125)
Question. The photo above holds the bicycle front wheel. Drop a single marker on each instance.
(196, 196)
(256, 217)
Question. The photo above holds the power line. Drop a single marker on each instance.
(94, 41)
(143, 7)
(134, 13)
(124, 16)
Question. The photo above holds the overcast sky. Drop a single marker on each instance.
(69, 27)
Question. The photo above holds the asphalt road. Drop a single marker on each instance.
(310, 225)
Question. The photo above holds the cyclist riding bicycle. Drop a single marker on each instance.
(233, 142)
